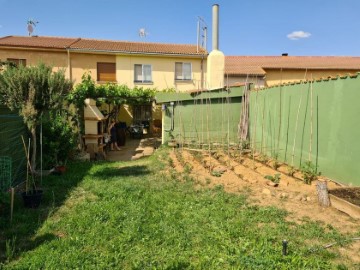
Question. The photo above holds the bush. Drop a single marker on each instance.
(59, 140)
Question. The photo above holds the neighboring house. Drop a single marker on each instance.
(135, 64)
(155, 65)
(273, 70)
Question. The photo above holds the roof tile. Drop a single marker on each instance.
(100, 45)
(256, 65)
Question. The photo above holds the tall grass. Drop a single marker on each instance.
(138, 215)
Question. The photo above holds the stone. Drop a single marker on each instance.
(266, 191)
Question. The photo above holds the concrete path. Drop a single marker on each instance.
(134, 149)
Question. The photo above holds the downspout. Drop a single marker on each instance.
(172, 118)
(69, 63)
(202, 73)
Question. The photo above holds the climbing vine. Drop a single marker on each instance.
(110, 93)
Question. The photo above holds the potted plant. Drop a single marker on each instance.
(32, 195)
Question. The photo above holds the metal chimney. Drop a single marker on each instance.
(215, 27)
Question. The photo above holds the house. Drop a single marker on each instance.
(135, 64)
(156, 65)
(266, 71)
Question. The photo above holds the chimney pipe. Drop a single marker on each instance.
(215, 27)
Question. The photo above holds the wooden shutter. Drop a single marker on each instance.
(106, 72)
(17, 62)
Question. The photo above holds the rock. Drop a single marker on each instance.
(220, 169)
(266, 191)
(271, 184)
(308, 199)
(283, 195)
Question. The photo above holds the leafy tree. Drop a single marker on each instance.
(33, 91)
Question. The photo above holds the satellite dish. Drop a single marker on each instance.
(31, 23)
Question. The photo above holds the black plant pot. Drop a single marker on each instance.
(32, 199)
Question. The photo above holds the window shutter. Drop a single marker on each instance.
(138, 73)
(147, 73)
(106, 72)
(178, 71)
(187, 71)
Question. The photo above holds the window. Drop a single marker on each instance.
(17, 62)
(142, 73)
(182, 71)
(106, 72)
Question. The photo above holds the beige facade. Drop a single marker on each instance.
(76, 64)
(162, 71)
(278, 76)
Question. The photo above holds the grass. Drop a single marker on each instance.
(138, 215)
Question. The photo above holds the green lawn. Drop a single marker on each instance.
(136, 215)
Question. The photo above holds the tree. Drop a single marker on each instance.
(33, 91)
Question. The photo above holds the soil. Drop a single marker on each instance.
(245, 174)
(351, 195)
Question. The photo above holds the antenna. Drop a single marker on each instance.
(201, 33)
(143, 33)
(31, 23)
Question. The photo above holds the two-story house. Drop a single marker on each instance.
(135, 64)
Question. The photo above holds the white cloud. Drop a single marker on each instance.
(298, 34)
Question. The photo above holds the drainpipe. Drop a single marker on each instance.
(172, 117)
(69, 63)
(202, 73)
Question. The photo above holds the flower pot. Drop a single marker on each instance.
(32, 199)
(60, 169)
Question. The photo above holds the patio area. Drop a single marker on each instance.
(134, 149)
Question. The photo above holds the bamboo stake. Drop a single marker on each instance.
(295, 131)
(311, 118)
(262, 127)
(279, 130)
(12, 204)
(256, 116)
(296, 125)
(27, 154)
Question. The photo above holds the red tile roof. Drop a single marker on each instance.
(100, 45)
(256, 65)
(37, 42)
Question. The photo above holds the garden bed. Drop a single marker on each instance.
(351, 195)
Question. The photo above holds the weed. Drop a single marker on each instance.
(273, 178)
(245, 145)
(264, 158)
(216, 173)
(188, 168)
(310, 173)
(291, 171)
(10, 248)
(276, 164)
(208, 181)
(171, 162)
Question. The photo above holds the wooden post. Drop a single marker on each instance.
(322, 192)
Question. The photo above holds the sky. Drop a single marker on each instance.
(247, 27)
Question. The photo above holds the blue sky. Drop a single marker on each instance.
(247, 27)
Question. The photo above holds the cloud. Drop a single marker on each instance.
(298, 34)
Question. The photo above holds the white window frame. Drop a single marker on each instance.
(183, 76)
(143, 66)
